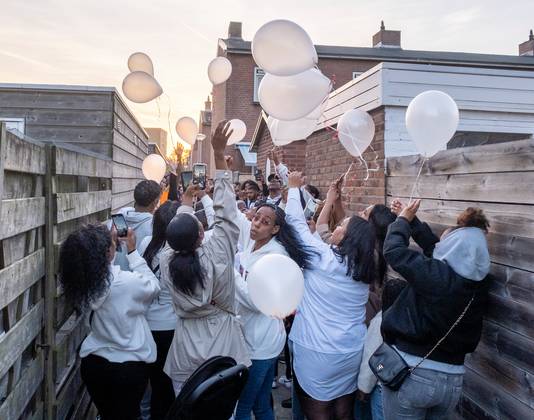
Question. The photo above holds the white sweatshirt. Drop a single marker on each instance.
(373, 340)
(160, 314)
(119, 329)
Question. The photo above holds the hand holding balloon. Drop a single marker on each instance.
(410, 210)
(296, 180)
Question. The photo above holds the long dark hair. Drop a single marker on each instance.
(162, 218)
(381, 217)
(357, 250)
(182, 235)
(84, 265)
(289, 239)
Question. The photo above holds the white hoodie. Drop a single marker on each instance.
(265, 336)
(119, 329)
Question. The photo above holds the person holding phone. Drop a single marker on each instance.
(116, 353)
(201, 279)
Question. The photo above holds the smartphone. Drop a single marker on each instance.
(186, 178)
(311, 207)
(235, 177)
(258, 174)
(199, 175)
(120, 224)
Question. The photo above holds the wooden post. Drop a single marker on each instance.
(50, 284)
(2, 160)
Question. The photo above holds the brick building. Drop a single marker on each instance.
(495, 95)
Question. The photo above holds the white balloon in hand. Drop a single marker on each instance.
(141, 62)
(154, 167)
(283, 48)
(187, 129)
(432, 119)
(239, 131)
(219, 70)
(355, 131)
(141, 87)
(276, 285)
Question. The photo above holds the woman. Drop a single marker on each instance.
(201, 279)
(445, 299)
(160, 315)
(268, 233)
(116, 353)
(329, 331)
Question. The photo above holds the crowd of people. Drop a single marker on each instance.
(172, 293)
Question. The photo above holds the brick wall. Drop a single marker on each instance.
(343, 69)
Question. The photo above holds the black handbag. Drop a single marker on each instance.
(391, 369)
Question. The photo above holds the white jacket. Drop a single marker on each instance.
(265, 336)
(119, 329)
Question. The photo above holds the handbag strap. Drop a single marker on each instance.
(446, 334)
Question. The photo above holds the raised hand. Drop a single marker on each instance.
(296, 180)
(396, 206)
(220, 137)
(410, 210)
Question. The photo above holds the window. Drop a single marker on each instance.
(14, 124)
(258, 75)
(355, 74)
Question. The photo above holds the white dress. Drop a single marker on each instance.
(329, 328)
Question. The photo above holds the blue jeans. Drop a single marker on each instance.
(371, 410)
(256, 396)
(424, 394)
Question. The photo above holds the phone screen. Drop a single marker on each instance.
(187, 177)
(258, 174)
(199, 175)
(120, 224)
(311, 207)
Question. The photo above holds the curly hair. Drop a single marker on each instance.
(84, 265)
(473, 217)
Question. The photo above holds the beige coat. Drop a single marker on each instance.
(207, 324)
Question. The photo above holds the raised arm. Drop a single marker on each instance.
(295, 215)
(281, 169)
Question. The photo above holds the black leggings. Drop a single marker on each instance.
(115, 388)
(339, 409)
(162, 390)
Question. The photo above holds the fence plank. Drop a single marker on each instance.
(510, 187)
(509, 282)
(67, 397)
(122, 200)
(13, 343)
(18, 277)
(16, 402)
(496, 158)
(24, 156)
(74, 205)
(21, 215)
(123, 185)
(73, 163)
(124, 171)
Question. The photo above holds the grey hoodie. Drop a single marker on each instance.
(465, 250)
(141, 223)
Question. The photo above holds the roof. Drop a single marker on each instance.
(240, 46)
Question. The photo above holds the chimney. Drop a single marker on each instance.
(527, 47)
(234, 30)
(207, 104)
(386, 39)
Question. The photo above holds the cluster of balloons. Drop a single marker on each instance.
(276, 285)
(431, 120)
(154, 167)
(140, 86)
(293, 91)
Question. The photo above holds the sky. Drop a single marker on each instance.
(82, 42)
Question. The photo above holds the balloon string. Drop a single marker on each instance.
(159, 110)
(169, 119)
(417, 178)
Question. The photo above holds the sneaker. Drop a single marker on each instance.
(286, 382)
(275, 384)
(287, 403)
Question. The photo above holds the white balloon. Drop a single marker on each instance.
(154, 167)
(290, 98)
(356, 130)
(276, 285)
(141, 62)
(219, 70)
(141, 87)
(240, 130)
(187, 129)
(283, 48)
(432, 119)
(285, 132)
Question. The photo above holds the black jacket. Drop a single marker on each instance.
(433, 299)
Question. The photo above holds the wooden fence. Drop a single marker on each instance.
(47, 192)
(499, 382)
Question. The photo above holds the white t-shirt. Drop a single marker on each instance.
(119, 329)
(160, 315)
